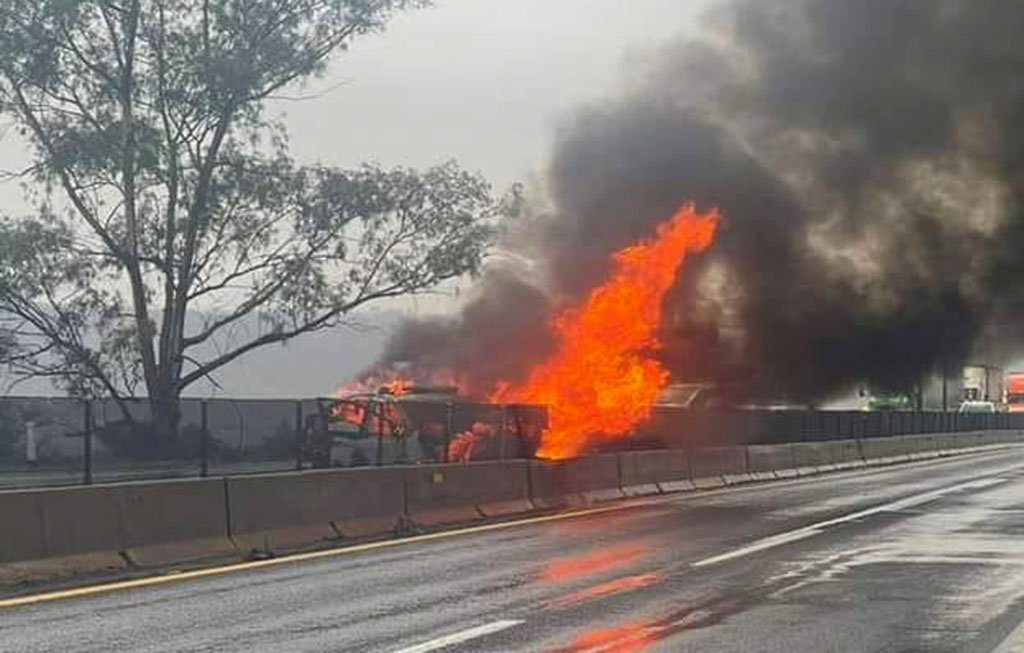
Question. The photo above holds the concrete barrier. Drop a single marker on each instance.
(969, 439)
(22, 536)
(366, 501)
(989, 438)
(74, 530)
(920, 447)
(574, 482)
(438, 494)
(83, 521)
(284, 511)
(1011, 437)
(650, 472)
(53, 532)
(813, 457)
(848, 454)
(173, 521)
(58, 532)
(633, 470)
(276, 512)
(883, 450)
(717, 466)
(946, 444)
(771, 461)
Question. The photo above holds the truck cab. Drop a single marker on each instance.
(412, 424)
(371, 429)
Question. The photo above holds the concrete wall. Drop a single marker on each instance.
(140, 524)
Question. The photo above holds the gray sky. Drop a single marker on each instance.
(483, 81)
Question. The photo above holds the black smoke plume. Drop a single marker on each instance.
(868, 157)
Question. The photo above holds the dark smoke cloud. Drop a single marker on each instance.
(501, 327)
(869, 159)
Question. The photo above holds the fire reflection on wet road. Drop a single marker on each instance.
(918, 557)
(592, 562)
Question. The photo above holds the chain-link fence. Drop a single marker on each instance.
(678, 427)
(62, 441)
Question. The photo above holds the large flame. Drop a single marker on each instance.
(602, 380)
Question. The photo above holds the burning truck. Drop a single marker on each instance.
(598, 381)
(405, 423)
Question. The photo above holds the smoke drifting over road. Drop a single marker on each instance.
(868, 158)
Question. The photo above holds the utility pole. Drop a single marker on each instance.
(945, 386)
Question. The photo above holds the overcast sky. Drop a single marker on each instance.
(483, 81)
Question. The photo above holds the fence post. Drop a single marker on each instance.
(504, 431)
(380, 434)
(298, 435)
(204, 440)
(449, 425)
(87, 435)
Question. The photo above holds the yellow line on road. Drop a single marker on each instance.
(289, 559)
(635, 502)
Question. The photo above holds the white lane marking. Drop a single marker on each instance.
(463, 636)
(814, 529)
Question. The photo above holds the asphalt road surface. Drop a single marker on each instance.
(921, 557)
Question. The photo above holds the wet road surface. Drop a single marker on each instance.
(920, 557)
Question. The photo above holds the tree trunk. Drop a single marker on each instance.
(166, 414)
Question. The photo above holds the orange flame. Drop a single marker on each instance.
(602, 380)
(398, 387)
(460, 448)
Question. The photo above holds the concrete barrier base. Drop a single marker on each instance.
(285, 538)
(503, 508)
(682, 485)
(642, 490)
(355, 528)
(155, 555)
(707, 482)
(62, 567)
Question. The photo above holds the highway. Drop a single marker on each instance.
(921, 557)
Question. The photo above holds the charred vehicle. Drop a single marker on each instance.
(417, 424)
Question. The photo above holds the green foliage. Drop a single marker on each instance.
(162, 187)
